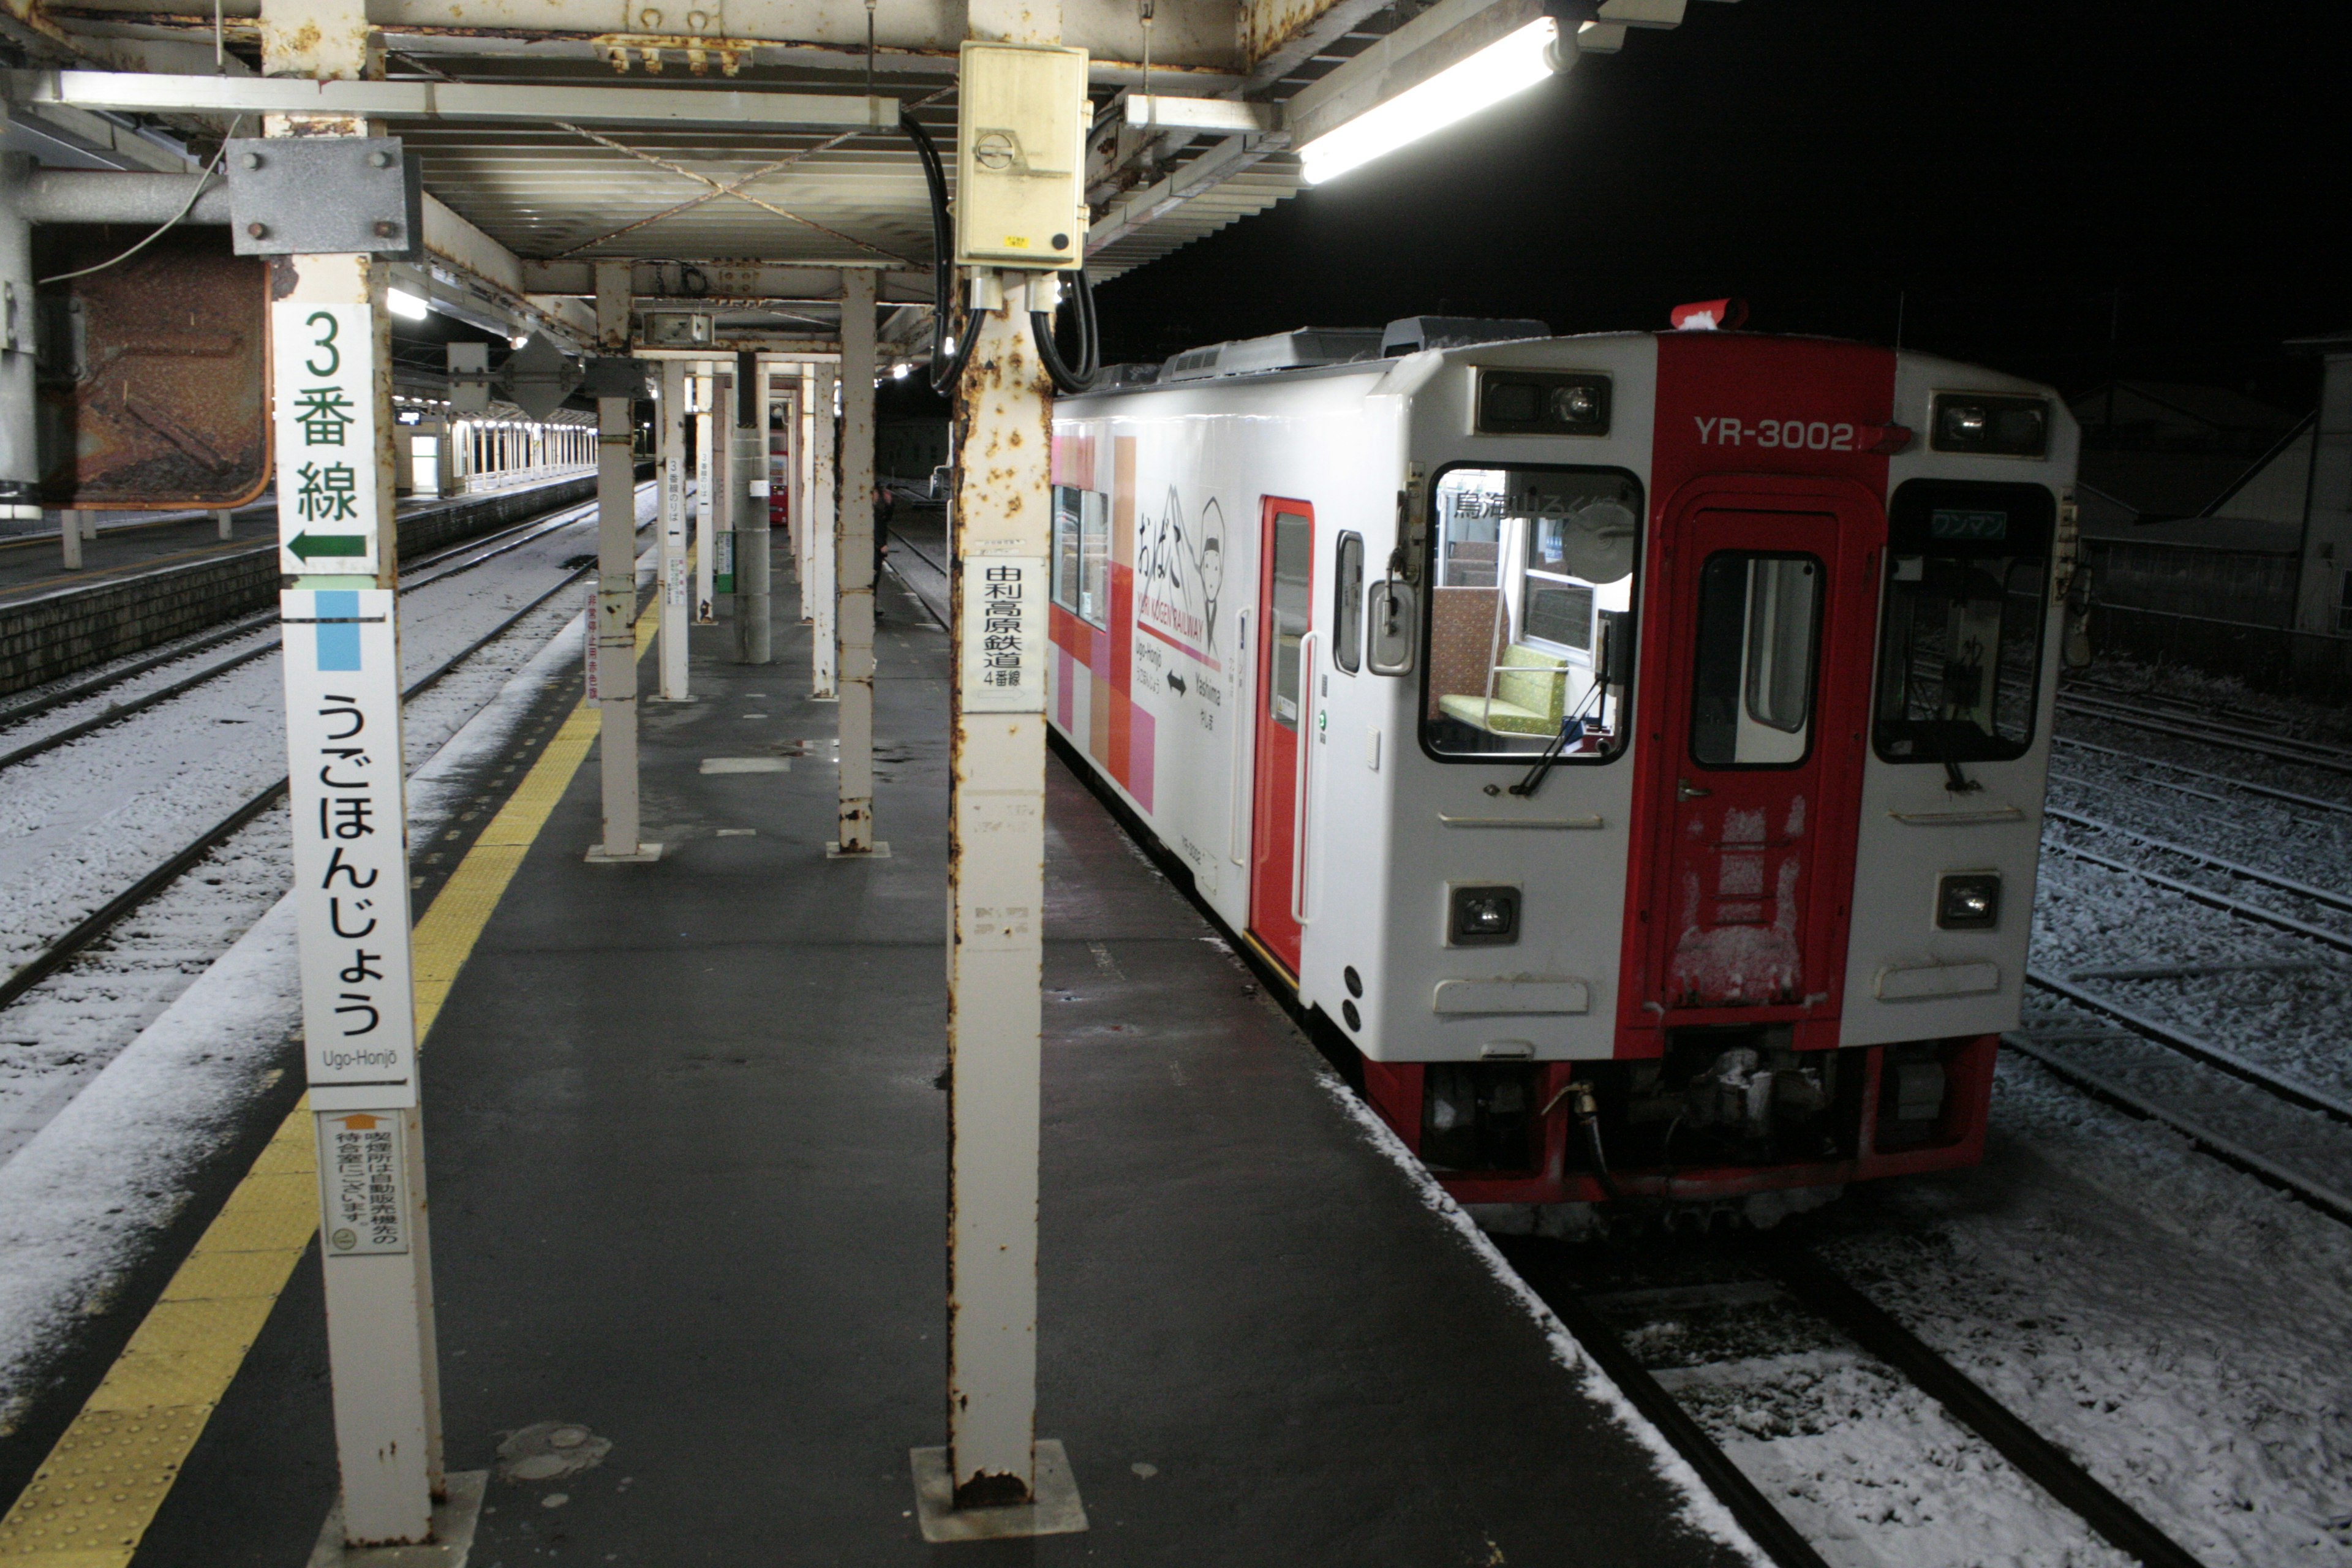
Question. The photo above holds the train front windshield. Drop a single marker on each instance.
(1960, 663)
(1531, 570)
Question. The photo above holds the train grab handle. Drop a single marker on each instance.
(1299, 793)
(1392, 626)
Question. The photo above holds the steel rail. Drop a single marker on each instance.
(63, 951)
(113, 713)
(1764, 1524)
(2218, 1145)
(1831, 1296)
(2206, 896)
(2271, 880)
(2116, 695)
(2268, 790)
(2206, 736)
(2190, 1045)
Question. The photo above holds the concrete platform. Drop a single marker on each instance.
(686, 1137)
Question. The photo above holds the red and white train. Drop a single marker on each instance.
(1633, 745)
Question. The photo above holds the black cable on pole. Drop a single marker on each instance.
(945, 368)
(1089, 366)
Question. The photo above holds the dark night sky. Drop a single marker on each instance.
(2009, 166)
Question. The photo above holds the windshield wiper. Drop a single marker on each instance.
(1570, 729)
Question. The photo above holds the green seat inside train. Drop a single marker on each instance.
(1530, 695)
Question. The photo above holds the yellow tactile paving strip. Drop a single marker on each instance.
(94, 1497)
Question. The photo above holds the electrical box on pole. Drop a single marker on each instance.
(1020, 146)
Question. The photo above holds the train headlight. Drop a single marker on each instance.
(1968, 902)
(1980, 422)
(1482, 916)
(1542, 402)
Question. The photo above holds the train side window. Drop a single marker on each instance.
(1348, 604)
(1082, 554)
(1065, 548)
(1959, 662)
(1293, 565)
(1752, 682)
(1524, 562)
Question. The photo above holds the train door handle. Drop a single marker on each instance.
(1685, 790)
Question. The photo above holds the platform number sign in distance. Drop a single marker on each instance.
(1004, 635)
(323, 373)
(351, 856)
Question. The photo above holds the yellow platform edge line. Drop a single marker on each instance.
(94, 1497)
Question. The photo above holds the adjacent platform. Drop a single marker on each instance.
(687, 1142)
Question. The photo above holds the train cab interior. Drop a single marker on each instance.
(1530, 609)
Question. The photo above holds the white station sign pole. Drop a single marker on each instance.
(340, 640)
(677, 614)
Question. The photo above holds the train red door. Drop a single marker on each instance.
(1285, 592)
(1757, 765)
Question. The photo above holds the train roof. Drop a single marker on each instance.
(1255, 363)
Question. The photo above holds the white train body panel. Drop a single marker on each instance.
(1161, 681)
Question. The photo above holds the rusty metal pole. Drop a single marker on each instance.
(994, 1477)
(854, 565)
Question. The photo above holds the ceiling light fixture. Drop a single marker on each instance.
(402, 303)
(1505, 67)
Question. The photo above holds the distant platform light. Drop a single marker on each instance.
(403, 303)
(1506, 66)
(898, 371)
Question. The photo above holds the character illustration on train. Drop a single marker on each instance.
(1631, 746)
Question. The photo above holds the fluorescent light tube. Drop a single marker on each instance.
(1501, 68)
(403, 303)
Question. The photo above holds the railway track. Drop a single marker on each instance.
(474, 553)
(77, 940)
(1591, 1285)
(2203, 732)
(2278, 730)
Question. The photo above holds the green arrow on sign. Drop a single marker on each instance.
(306, 545)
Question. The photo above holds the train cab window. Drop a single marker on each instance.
(1968, 568)
(1348, 604)
(1293, 565)
(1524, 564)
(1082, 554)
(1752, 682)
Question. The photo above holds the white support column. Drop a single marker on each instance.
(676, 613)
(339, 546)
(824, 563)
(706, 502)
(71, 533)
(804, 486)
(854, 558)
(748, 497)
(225, 520)
(617, 587)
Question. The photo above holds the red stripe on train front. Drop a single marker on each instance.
(1789, 413)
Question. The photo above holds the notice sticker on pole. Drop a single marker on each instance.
(351, 845)
(588, 646)
(323, 370)
(363, 1183)
(1002, 634)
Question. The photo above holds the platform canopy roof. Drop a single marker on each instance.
(556, 134)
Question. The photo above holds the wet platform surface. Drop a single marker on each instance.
(686, 1135)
